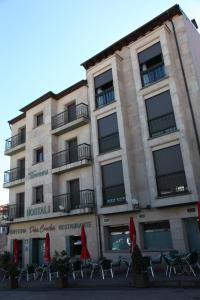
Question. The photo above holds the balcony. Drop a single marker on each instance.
(171, 184)
(153, 74)
(79, 202)
(162, 125)
(105, 98)
(15, 144)
(14, 177)
(70, 119)
(71, 158)
(114, 195)
(13, 211)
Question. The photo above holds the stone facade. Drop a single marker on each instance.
(176, 214)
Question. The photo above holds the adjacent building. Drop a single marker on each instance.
(124, 142)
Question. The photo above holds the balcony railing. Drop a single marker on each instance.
(109, 143)
(14, 141)
(105, 98)
(67, 116)
(15, 211)
(70, 155)
(153, 74)
(172, 184)
(162, 125)
(114, 195)
(70, 201)
(14, 174)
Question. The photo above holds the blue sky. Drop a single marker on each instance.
(43, 43)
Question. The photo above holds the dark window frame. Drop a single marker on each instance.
(175, 191)
(39, 152)
(114, 135)
(161, 118)
(39, 119)
(108, 230)
(36, 192)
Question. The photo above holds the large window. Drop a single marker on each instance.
(157, 236)
(113, 184)
(170, 174)
(108, 133)
(38, 194)
(160, 114)
(117, 238)
(151, 64)
(104, 91)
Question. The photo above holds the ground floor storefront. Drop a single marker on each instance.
(64, 232)
(158, 229)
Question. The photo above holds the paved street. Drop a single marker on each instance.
(99, 294)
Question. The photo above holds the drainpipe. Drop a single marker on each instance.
(186, 88)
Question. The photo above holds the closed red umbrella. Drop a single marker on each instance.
(132, 234)
(84, 252)
(16, 251)
(198, 206)
(47, 257)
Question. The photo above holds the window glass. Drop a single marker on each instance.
(157, 236)
(118, 238)
(39, 119)
(39, 155)
(104, 91)
(39, 194)
(112, 174)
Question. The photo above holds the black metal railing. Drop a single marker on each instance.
(105, 98)
(69, 115)
(114, 195)
(162, 125)
(70, 155)
(14, 174)
(15, 211)
(70, 201)
(15, 140)
(109, 143)
(153, 74)
(170, 184)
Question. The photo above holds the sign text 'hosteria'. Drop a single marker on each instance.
(42, 210)
(47, 228)
(35, 173)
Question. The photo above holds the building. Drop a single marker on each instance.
(123, 143)
(3, 228)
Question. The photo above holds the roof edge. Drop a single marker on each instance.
(16, 119)
(134, 35)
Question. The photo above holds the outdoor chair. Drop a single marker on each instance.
(128, 265)
(173, 253)
(95, 265)
(106, 267)
(30, 272)
(191, 260)
(53, 272)
(77, 269)
(148, 264)
(4, 274)
(44, 271)
(171, 264)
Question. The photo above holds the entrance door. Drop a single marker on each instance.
(74, 193)
(193, 234)
(38, 251)
(73, 151)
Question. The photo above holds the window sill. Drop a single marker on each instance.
(114, 204)
(174, 195)
(98, 108)
(36, 163)
(164, 134)
(154, 82)
(36, 203)
(36, 126)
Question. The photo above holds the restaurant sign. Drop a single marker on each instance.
(42, 210)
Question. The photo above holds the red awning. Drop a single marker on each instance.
(16, 251)
(198, 206)
(47, 257)
(84, 252)
(132, 234)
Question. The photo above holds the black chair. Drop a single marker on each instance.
(171, 264)
(106, 267)
(77, 268)
(191, 260)
(148, 264)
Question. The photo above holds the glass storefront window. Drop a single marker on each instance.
(157, 236)
(118, 238)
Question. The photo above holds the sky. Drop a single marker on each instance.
(43, 43)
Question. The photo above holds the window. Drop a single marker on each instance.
(73, 245)
(108, 133)
(38, 194)
(39, 156)
(157, 236)
(20, 205)
(104, 91)
(151, 64)
(117, 238)
(160, 114)
(74, 196)
(170, 174)
(113, 184)
(39, 119)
